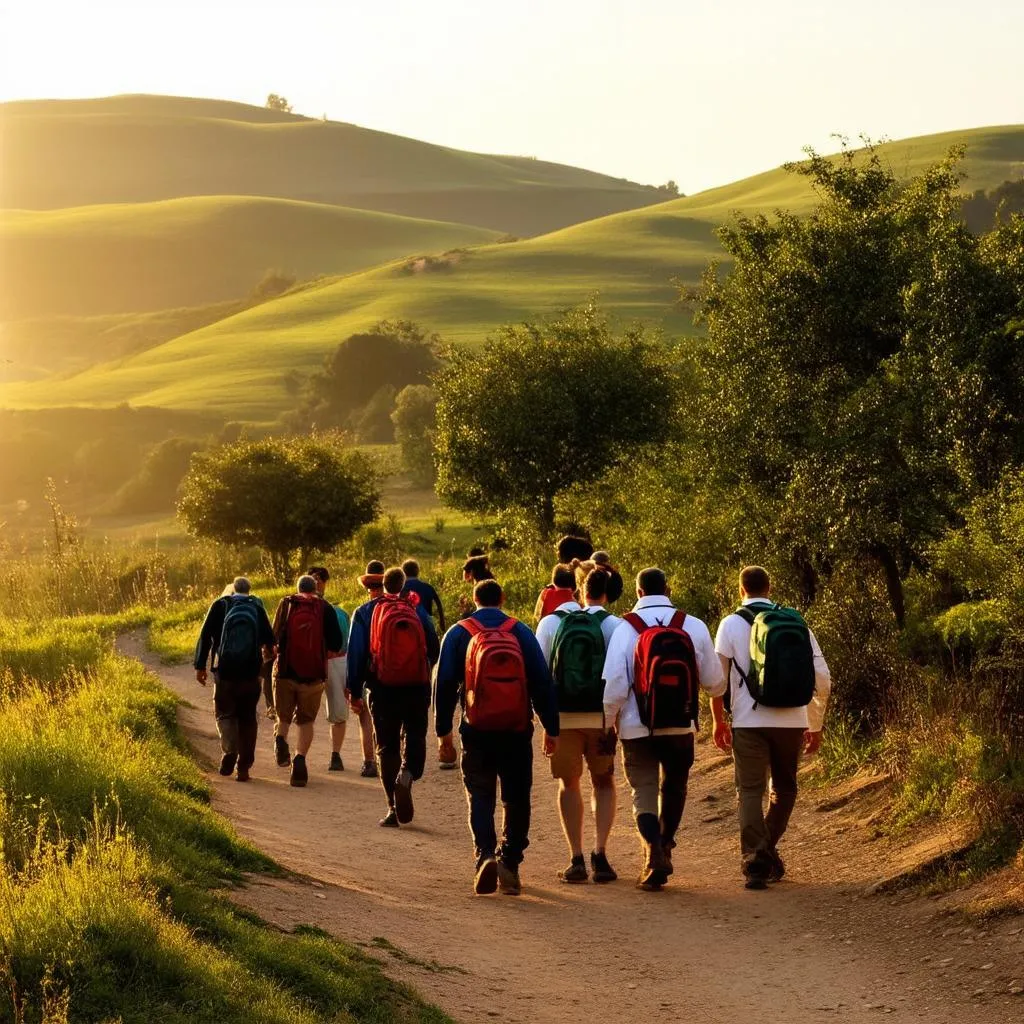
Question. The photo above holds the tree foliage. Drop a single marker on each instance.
(284, 495)
(415, 419)
(543, 407)
(275, 102)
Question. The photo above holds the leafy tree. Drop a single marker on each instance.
(284, 495)
(275, 102)
(860, 376)
(544, 407)
(670, 188)
(415, 417)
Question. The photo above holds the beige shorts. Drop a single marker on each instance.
(297, 702)
(337, 677)
(594, 746)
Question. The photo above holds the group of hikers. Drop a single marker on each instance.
(594, 679)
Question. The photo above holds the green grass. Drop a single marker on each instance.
(626, 259)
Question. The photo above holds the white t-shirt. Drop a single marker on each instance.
(733, 642)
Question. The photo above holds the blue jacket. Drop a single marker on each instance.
(428, 596)
(451, 674)
(359, 673)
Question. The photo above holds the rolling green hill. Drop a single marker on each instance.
(627, 260)
(133, 257)
(136, 149)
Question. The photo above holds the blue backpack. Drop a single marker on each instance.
(239, 657)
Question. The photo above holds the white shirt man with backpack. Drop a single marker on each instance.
(778, 687)
(574, 641)
(657, 661)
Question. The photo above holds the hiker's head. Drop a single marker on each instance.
(754, 582)
(595, 587)
(394, 581)
(373, 578)
(564, 577)
(321, 575)
(475, 552)
(375, 568)
(477, 568)
(306, 585)
(488, 594)
(652, 583)
(241, 585)
(411, 568)
(602, 558)
(572, 546)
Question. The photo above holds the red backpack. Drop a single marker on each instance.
(398, 643)
(665, 674)
(552, 598)
(303, 651)
(496, 691)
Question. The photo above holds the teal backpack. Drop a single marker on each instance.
(781, 657)
(577, 661)
(239, 657)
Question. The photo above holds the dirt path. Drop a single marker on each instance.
(814, 948)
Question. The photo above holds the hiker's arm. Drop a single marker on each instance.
(616, 673)
(433, 644)
(205, 642)
(279, 616)
(266, 631)
(358, 641)
(542, 687)
(719, 716)
(546, 630)
(822, 689)
(451, 668)
(440, 613)
(712, 677)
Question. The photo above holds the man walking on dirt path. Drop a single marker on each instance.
(492, 664)
(233, 637)
(657, 661)
(429, 597)
(574, 642)
(337, 674)
(306, 629)
(372, 581)
(779, 686)
(391, 651)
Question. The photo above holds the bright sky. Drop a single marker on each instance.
(701, 92)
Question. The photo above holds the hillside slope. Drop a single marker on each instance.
(627, 260)
(132, 149)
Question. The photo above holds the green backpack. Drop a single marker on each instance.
(781, 657)
(577, 661)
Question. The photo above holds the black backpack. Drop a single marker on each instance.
(239, 656)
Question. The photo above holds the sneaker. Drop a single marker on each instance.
(336, 765)
(284, 758)
(576, 872)
(777, 871)
(603, 871)
(243, 775)
(508, 879)
(300, 775)
(403, 797)
(390, 820)
(369, 770)
(447, 755)
(486, 880)
(227, 764)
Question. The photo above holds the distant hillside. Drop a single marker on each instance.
(134, 149)
(627, 260)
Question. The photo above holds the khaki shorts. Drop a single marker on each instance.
(297, 702)
(575, 746)
(337, 677)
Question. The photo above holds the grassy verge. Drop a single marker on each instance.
(112, 865)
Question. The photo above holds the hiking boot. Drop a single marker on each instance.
(243, 775)
(447, 755)
(300, 775)
(336, 765)
(486, 880)
(508, 879)
(403, 797)
(603, 871)
(369, 770)
(656, 866)
(390, 820)
(756, 882)
(284, 758)
(227, 764)
(777, 870)
(576, 872)
(668, 845)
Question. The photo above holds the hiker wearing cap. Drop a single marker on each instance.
(574, 641)
(492, 665)
(779, 685)
(372, 581)
(337, 701)
(658, 660)
(307, 631)
(233, 637)
(391, 651)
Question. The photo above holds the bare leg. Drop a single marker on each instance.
(366, 735)
(337, 736)
(604, 804)
(570, 809)
(305, 740)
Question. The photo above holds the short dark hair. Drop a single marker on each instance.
(652, 581)
(394, 580)
(318, 572)
(755, 580)
(374, 568)
(563, 576)
(411, 568)
(475, 552)
(306, 585)
(479, 567)
(596, 584)
(488, 593)
(572, 546)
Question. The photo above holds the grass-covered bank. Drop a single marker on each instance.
(113, 865)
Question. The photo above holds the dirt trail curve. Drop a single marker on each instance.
(705, 951)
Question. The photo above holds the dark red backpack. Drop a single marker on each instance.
(303, 650)
(496, 692)
(553, 597)
(398, 643)
(665, 674)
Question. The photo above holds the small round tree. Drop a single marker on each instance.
(284, 495)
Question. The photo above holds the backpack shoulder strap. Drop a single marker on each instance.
(635, 621)
(508, 625)
(601, 615)
(677, 620)
(745, 614)
(474, 627)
